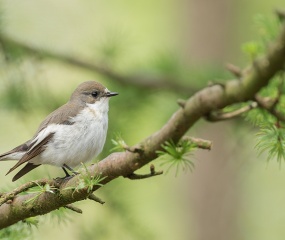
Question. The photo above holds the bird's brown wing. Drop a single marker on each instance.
(28, 167)
(36, 150)
(63, 115)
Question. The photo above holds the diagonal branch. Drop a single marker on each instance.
(9, 196)
(73, 208)
(146, 82)
(219, 115)
(95, 199)
(125, 163)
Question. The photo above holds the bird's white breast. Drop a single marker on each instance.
(79, 142)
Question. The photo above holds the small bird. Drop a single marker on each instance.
(73, 133)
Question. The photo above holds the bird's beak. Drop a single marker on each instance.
(111, 94)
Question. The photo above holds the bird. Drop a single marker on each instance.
(72, 134)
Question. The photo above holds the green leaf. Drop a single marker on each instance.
(31, 221)
(260, 117)
(268, 27)
(252, 49)
(271, 139)
(87, 181)
(119, 144)
(177, 156)
(39, 190)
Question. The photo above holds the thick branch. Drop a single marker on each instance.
(125, 163)
(9, 196)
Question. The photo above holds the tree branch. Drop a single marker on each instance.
(134, 176)
(236, 71)
(270, 106)
(95, 198)
(73, 208)
(146, 82)
(219, 115)
(9, 196)
(200, 143)
(125, 163)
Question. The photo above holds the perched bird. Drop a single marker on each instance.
(73, 133)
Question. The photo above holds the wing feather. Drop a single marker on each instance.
(33, 152)
(28, 167)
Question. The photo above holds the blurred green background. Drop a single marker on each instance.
(231, 194)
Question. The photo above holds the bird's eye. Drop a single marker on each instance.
(95, 94)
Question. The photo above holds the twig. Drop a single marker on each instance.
(181, 102)
(126, 147)
(215, 83)
(152, 173)
(215, 116)
(235, 70)
(280, 14)
(270, 105)
(201, 143)
(73, 208)
(9, 196)
(95, 198)
(133, 149)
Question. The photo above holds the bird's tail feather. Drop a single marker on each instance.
(28, 167)
(4, 156)
(16, 153)
(11, 156)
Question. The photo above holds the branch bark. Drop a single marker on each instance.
(126, 163)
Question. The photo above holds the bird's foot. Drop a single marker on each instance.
(67, 175)
(64, 167)
(65, 178)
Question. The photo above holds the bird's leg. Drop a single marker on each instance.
(66, 172)
(67, 175)
(70, 169)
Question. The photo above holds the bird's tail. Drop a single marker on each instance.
(4, 157)
(11, 155)
(16, 153)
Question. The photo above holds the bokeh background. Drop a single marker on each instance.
(232, 192)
